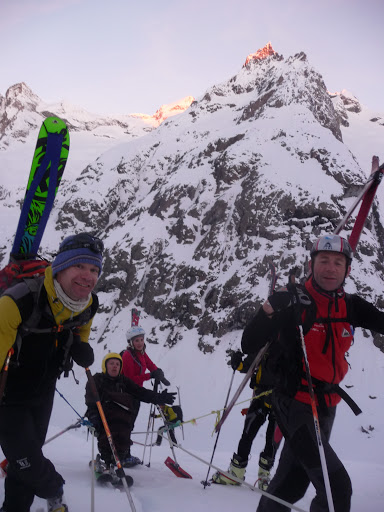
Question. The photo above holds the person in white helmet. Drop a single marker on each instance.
(326, 316)
(137, 365)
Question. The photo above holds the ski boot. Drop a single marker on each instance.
(236, 468)
(117, 478)
(129, 461)
(102, 471)
(264, 475)
(57, 504)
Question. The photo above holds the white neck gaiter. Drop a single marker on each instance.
(73, 305)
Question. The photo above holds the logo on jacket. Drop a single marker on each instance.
(345, 333)
(24, 463)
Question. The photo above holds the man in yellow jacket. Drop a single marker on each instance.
(45, 323)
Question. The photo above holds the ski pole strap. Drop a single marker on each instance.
(322, 388)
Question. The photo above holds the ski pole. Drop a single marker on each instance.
(120, 471)
(93, 472)
(205, 482)
(63, 397)
(151, 417)
(182, 426)
(296, 301)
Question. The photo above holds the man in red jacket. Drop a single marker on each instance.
(328, 317)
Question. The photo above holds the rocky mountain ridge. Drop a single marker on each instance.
(192, 212)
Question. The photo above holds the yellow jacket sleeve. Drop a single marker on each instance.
(171, 415)
(10, 319)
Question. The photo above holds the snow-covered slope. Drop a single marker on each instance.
(204, 383)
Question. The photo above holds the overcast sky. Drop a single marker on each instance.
(125, 56)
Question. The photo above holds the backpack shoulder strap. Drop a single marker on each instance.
(308, 306)
(26, 295)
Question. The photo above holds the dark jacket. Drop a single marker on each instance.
(329, 322)
(116, 395)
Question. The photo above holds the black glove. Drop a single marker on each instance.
(236, 359)
(158, 374)
(280, 301)
(165, 398)
(82, 353)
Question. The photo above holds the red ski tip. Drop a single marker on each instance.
(176, 469)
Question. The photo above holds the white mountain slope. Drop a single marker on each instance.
(191, 214)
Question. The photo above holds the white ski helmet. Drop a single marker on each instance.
(133, 332)
(334, 243)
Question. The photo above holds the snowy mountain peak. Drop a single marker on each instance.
(350, 101)
(172, 109)
(274, 82)
(261, 54)
(167, 110)
(21, 96)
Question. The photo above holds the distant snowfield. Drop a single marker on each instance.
(203, 384)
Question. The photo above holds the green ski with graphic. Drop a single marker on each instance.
(49, 160)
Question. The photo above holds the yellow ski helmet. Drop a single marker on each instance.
(111, 355)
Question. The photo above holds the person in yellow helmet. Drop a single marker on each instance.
(117, 394)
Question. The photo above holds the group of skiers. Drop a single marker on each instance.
(44, 328)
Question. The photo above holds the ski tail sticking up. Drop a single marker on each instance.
(48, 164)
(135, 318)
(256, 362)
(176, 469)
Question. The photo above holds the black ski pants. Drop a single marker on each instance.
(22, 434)
(257, 414)
(300, 460)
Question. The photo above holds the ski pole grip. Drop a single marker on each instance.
(92, 384)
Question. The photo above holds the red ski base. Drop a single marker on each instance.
(176, 469)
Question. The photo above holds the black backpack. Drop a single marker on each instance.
(32, 310)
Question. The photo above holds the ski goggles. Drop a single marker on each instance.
(83, 241)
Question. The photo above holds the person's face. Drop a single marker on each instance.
(113, 367)
(78, 280)
(138, 342)
(329, 270)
